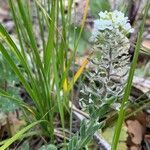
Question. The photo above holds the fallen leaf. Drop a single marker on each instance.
(15, 123)
(3, 14)
(146, 44)
(135, 131)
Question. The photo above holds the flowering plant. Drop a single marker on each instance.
(111, 60)
(111, 20)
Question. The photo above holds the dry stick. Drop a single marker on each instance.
(103, 144)
(133, 11)
(60, 134)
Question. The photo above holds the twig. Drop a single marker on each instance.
(60, 134)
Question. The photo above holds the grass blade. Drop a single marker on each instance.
(19, 135)
(17, 101)
(129, 83)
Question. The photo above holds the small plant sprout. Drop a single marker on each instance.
(111, 60)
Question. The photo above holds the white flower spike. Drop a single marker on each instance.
(110, 21)
(110, 61)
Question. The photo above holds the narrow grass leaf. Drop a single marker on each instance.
(19, 135)
(129, 83)
(79, 72)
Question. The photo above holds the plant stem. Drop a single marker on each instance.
(129, 84)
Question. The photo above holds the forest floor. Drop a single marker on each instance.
(136, 130)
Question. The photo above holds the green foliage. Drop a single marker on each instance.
(45, 62)
(83, 43)
(7, 83)
(129, 83)
(84, 136)
(89, 127)
(25, 146)
(42, 74)
(6, 105)
(43, 57)
(48, 147)
(111, 63)
(99, 5)
(108, 135)
(18, 135)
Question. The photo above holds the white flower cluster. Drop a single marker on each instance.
(111, 20)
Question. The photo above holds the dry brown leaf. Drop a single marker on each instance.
(135, 131)
(15, 123)
(3, 14)
(147, 22)
(146, 44)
